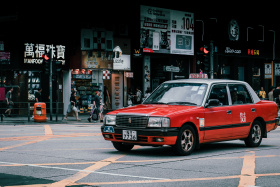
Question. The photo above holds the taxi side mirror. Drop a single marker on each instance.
(212, 102)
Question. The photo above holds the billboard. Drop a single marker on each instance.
(166, 31)
(97, 59)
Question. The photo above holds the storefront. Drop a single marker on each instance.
(167, 46)
(25, 72)
(104, 61)
(243, 68)
(153, 69)
(239, 56)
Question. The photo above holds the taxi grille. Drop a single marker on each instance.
(132, 121)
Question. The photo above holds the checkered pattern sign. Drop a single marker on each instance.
(106, 74)
(99, 40)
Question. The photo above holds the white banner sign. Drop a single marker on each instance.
(267, 70)
(120, 61)
(277, 69)
(166, 31)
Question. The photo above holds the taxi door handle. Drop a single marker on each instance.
(253, 110)
(229, 112)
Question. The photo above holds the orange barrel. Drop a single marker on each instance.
(40, 112)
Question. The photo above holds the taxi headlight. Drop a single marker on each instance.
(110, 120)
(159, 122)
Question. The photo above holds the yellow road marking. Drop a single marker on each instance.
(248, 171)
(48, 130)
(53, 136)
(25, 143)
(71, 180)
(157, 181)
(49, 164)
(129, 161)
(176, 180)
(162, 181)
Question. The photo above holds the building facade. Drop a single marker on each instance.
(151, 45)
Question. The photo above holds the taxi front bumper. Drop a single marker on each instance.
(148, 136)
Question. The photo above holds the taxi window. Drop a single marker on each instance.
(178, 94)
(239, 94)
(219, 92)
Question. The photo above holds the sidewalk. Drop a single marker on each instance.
(70, 120)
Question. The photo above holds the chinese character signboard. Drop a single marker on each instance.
(166, 31)
(33, 53)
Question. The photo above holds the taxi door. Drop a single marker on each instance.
(243, 109)
(217, 118)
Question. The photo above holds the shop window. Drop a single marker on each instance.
(33, 84)
(256, 71)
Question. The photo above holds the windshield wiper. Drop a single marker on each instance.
(184, 103)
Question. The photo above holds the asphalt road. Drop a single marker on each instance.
(77, 155)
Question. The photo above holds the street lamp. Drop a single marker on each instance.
(248, 32)
(202, 28)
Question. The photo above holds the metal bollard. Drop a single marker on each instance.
(28, 111)
(56, 115)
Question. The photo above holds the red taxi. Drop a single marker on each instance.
(187, 113)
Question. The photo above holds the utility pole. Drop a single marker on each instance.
(273, 59)
(211, 60)
(50, 79)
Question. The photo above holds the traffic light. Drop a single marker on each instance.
(46, 63)
(204, 49)
(205, 59)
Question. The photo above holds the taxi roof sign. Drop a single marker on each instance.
(198, 76)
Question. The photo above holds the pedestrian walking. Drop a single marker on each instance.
(101, 109)
(270, 94)
(148, 93)
(138, 95)
(276, 95)
(262, 94)
(107, 100)
(96, 103)
(9, 102)
(72, 109)
(97, 106)
(38, 96)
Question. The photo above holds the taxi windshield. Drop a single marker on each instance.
(178, 94)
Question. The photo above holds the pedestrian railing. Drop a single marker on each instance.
(25, 110)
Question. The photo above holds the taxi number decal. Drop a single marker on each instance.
(242, 117)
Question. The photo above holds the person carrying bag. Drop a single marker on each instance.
(72, 109)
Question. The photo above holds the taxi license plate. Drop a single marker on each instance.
(129, 135)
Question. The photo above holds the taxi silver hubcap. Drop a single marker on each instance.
(256, 135)
(187, 140)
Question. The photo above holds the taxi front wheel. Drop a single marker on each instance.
(186, 141)
(255, 136)
(122, 147)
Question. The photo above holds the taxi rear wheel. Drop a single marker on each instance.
(186, 141)
(255, 136)
(122, 147)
